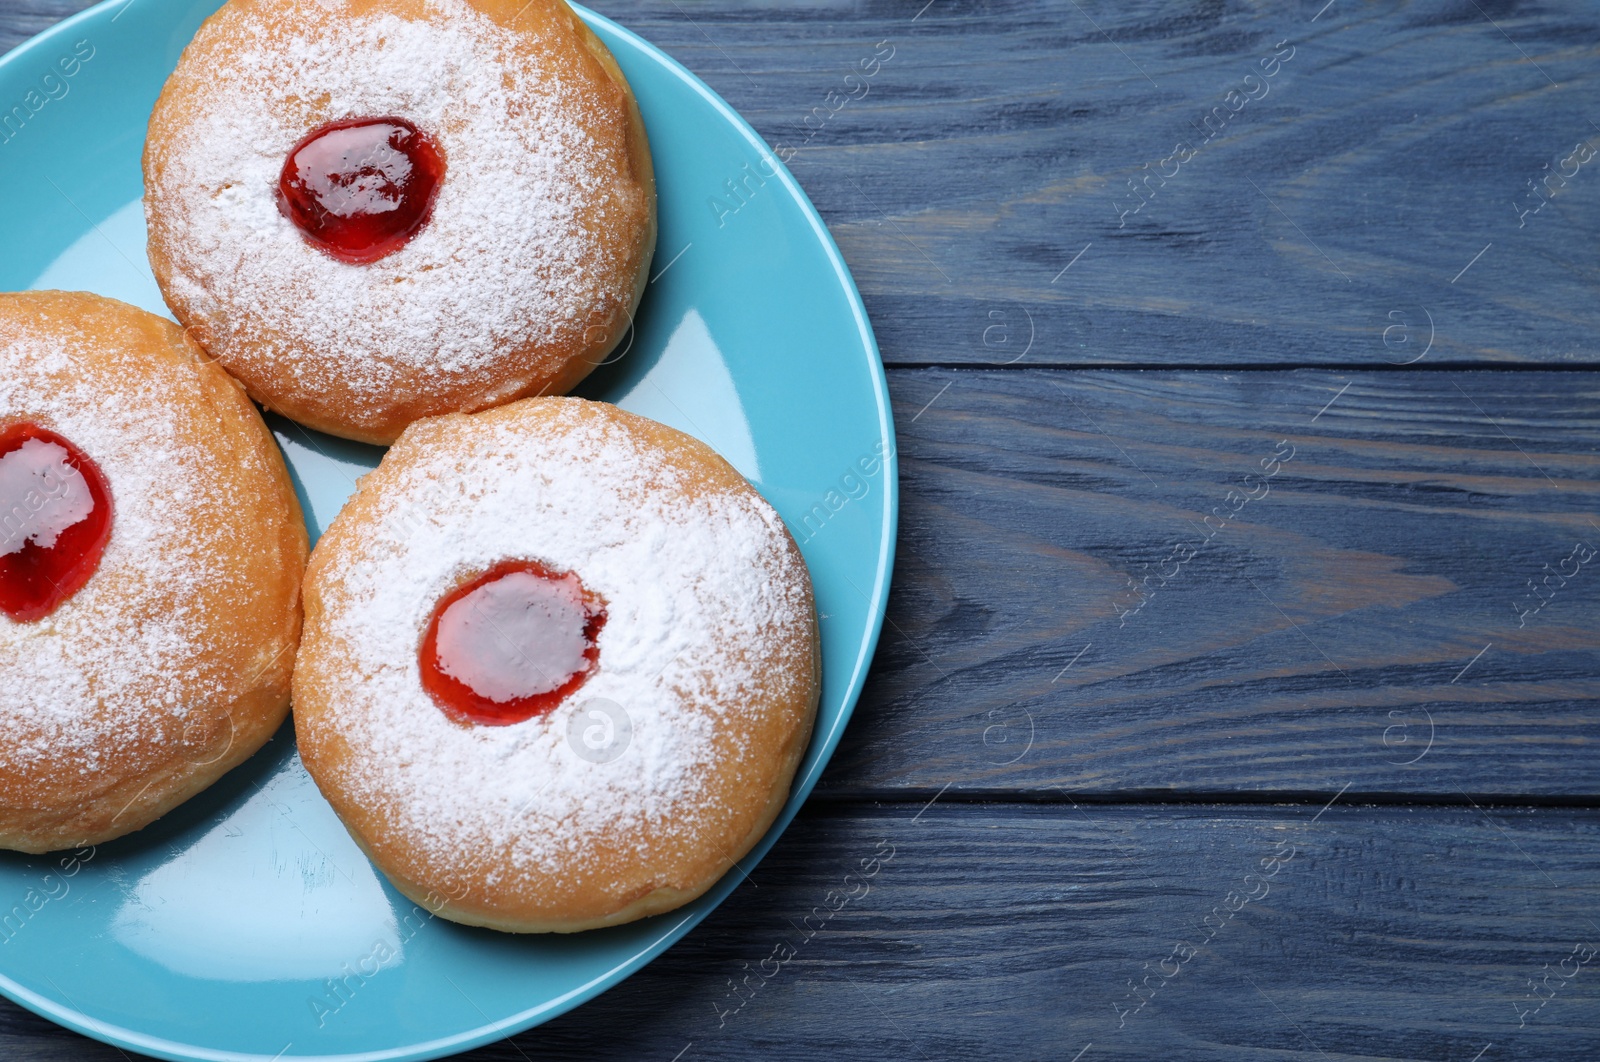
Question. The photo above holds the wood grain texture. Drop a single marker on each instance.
(1012, 932)
(1312, 635)
(21, 19)
(1005, 932)
(1394, 144)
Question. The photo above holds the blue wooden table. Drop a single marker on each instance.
(1240, 689)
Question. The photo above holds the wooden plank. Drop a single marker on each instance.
(1012, 932)
(1392, 145)
(21, 19)
(1330, 221)
(1366, 619)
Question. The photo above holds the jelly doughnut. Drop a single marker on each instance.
(559, 668)
(372, 211)
(151, 551)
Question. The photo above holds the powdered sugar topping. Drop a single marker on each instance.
(698, 593)
(118, 665)
(41, 473)
(512, 254)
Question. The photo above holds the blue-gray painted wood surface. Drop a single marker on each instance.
(1191, 933)
(1348, 175)
(1085, 675)
(1178, 583)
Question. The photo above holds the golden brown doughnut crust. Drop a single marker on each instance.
(227, 515)
(288, 371)
(619, 869)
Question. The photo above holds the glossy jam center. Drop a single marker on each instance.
(511, 644)
(55, 520)
(362, 187)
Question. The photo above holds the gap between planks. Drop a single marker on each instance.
(1257, 366)
(1162, 798)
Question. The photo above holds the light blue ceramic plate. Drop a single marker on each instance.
(245, 924)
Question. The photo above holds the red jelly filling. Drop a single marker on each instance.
(55, 520)
(362, 187)
(511, 644)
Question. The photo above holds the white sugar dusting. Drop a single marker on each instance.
(102, 672)
(481, 637)
(506, 258)
(55, 496)
(696, 593)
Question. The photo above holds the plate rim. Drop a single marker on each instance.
(70, 1016)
